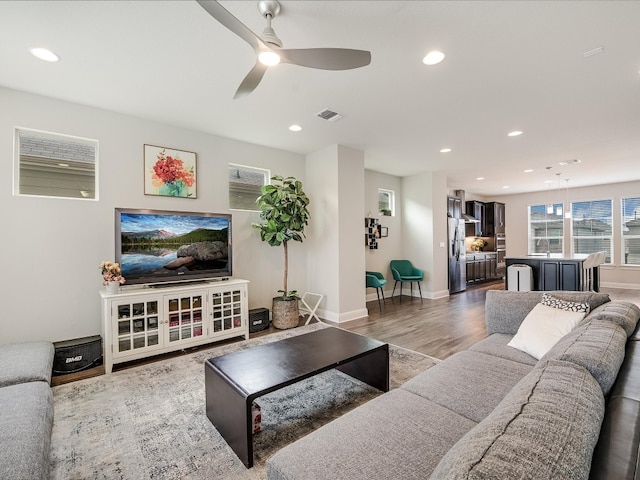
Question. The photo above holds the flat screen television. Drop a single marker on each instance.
(157, 247)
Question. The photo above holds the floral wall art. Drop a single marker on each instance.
(169, 172)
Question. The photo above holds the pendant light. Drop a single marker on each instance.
(567, 212)
(549, 205)
(559, 207)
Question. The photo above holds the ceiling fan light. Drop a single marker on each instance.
(269, 58)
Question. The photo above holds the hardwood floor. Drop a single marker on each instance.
(442, 327)
(438, 328)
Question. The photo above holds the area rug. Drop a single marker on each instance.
(149, 421)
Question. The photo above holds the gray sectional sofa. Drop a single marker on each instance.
(495, 412)
(26, 410)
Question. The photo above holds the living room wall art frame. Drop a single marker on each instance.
(169, 172)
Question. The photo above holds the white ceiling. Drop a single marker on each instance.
(510, 65)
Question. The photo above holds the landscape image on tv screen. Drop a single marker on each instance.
(166, 246)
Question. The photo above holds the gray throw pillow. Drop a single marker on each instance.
(598, 346)
(625, 314)
(26, 362)
(545, 429)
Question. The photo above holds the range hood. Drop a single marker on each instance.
(469, 218)
(465, 216)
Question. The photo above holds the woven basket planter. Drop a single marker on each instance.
(285, 313)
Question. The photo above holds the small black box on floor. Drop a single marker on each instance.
(258, 319)
(76, 355)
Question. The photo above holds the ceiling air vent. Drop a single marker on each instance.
(329, 115)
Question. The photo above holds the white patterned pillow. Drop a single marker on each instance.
(551, 301)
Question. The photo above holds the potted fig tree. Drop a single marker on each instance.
(283, 209)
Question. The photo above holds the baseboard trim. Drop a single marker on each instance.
(343, 317)
(623, 286)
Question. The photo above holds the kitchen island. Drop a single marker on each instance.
(554, 272)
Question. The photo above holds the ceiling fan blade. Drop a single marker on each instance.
(251, 81)
(223, 15)
(326, 58)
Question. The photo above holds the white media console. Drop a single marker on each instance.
(139, 322)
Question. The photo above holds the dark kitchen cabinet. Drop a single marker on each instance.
(559, 275)
(494, 218)
(492, 266)
(477, 210)
(470, 265)
(481, 267)
(550, 273)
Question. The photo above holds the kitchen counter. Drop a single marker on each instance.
(552, 256)
(554, 272)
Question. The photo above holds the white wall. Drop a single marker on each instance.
(52, 248)
(424, 229)
(323, 261)
(516, 216)
(336, 258)
(390, 247)
(351, 225)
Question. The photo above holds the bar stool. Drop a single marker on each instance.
(587, 271)
(600, 259)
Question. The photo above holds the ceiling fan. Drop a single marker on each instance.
(269, 49)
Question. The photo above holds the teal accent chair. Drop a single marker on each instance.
(376, 280)
(404, 271)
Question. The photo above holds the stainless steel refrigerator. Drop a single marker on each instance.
(457, 256)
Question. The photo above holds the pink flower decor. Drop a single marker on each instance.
(171, 176)
(111, 272)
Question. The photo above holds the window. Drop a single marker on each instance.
(245, 186)
(546, 229)
(591, 229)
(55, 165)
(631, 231)
(386, 202)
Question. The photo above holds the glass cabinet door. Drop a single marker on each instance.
(136, 325)
(185, 314)
(226, 310)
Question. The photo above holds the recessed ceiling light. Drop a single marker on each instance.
(548, 181)
(592, 52)
(295, 128)
(528, 170)
(44, 54)
(445, 150)
(433, 58)
(506, 186)
(563, 163)
(479, 178)
(515, 133)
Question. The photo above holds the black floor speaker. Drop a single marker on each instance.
(258, 319)
(76, 355)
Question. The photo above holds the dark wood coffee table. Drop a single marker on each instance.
(233, 381)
